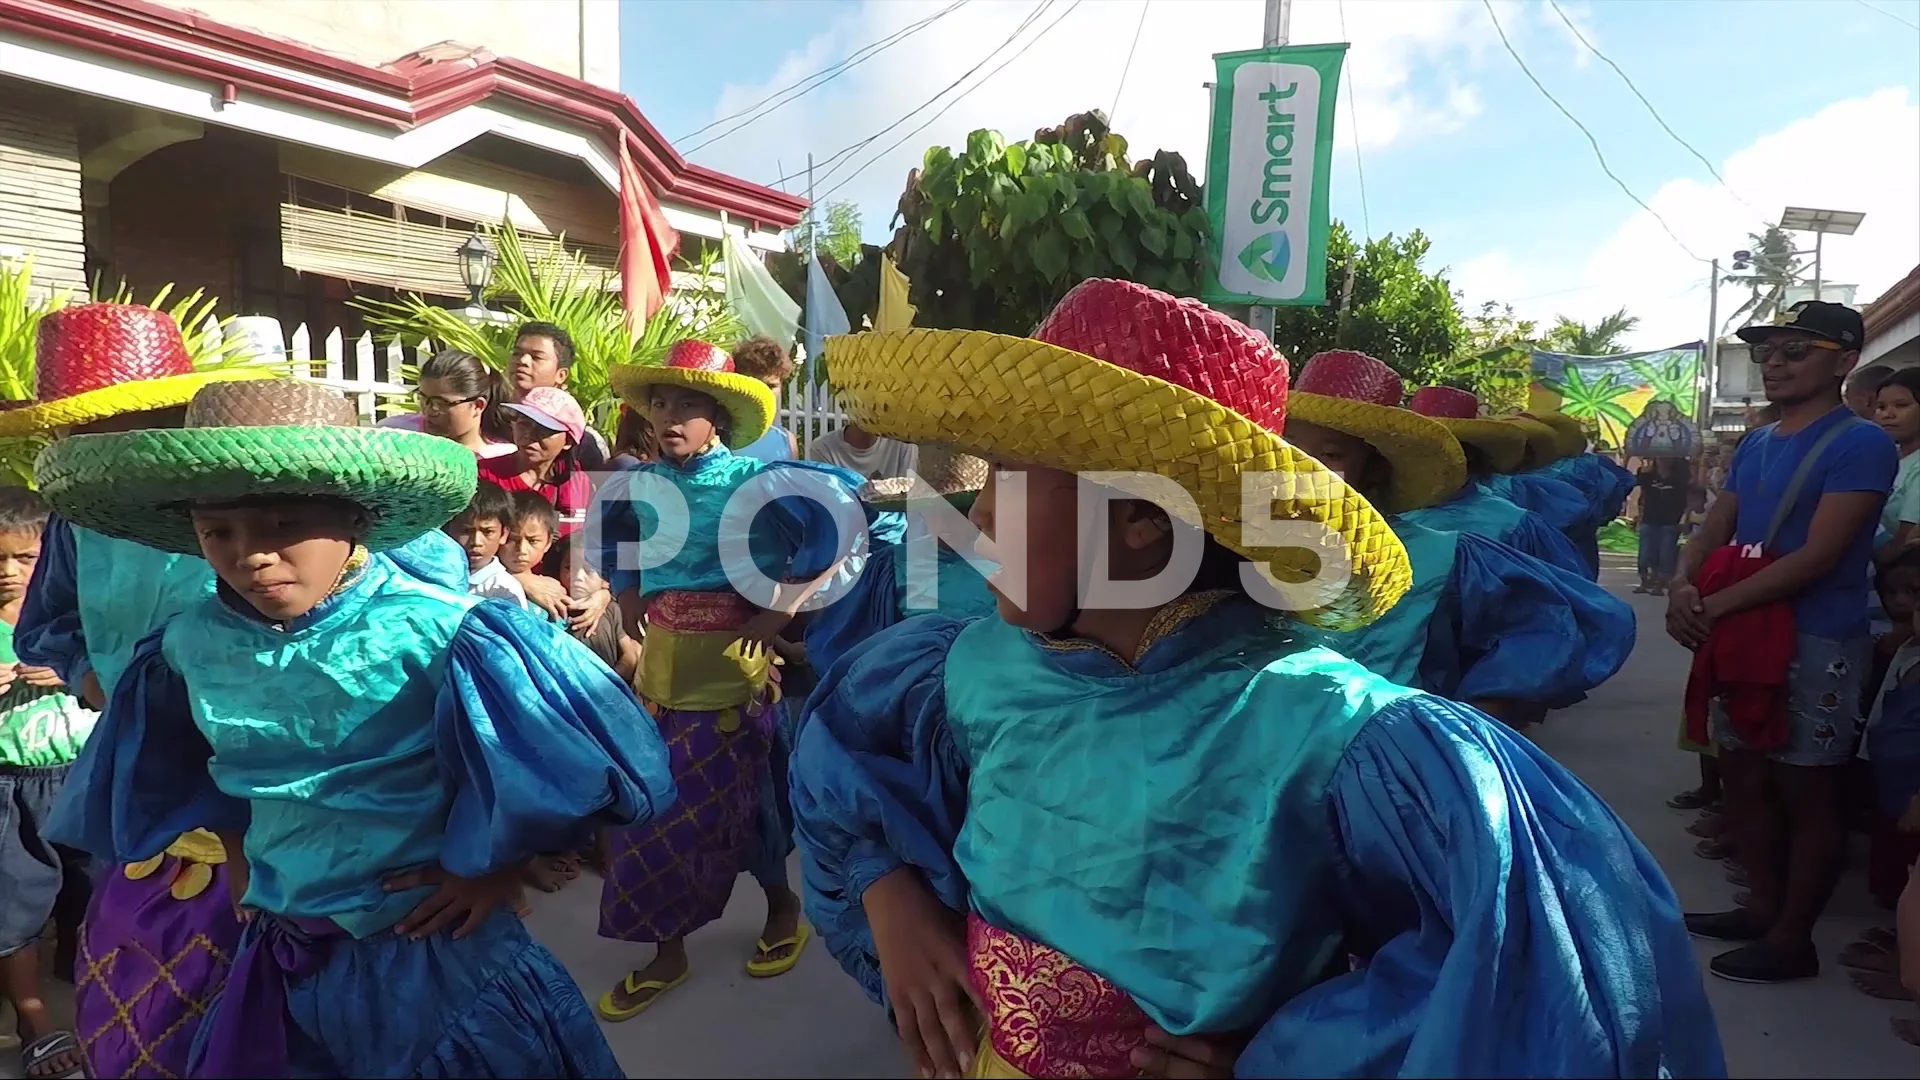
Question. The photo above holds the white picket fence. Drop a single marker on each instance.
(378, 384)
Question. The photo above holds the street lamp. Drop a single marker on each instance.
(1820, 223)
(476, 268)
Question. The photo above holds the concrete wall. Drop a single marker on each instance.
(574, 37)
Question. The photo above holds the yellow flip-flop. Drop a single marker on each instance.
(612, 1014)
(767, 969)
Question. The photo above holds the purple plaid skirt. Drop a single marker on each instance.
(150, 966)
(673, 875)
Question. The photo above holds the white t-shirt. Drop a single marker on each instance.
(885, 459)
(493, 582)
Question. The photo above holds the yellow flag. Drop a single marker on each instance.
(895, 313)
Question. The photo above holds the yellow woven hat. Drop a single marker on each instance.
(96, 361)
(1543, 443)
(696, 365)
(1503, 445)
(1122, 378)
(1570, 433)
(1358, 395)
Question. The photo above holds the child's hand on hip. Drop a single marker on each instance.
(1178, 1056)
(466, 901)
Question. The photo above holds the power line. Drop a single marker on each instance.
(816, 80)
(1031, 42)
(1595, 143)
(1128, 66)
(853, 148)
(1655, 113)
(1044, 6)
(1896, 18)
(1353, 121)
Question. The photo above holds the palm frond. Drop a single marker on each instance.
(539, 280)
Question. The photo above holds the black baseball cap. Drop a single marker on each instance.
(1837, 323)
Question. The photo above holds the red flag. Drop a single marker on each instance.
(647, 245)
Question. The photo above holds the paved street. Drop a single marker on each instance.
(814, 1021)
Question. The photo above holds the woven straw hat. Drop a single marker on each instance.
(95, 361)
(944, 472)
(1120, 377)
(1458, 411)
(1543, 443)
(1571, 435)
(696, 365)
(252, 439)
(1358, 395)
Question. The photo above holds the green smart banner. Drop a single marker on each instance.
(1269, 160)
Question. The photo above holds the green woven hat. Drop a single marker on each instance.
(256, 439)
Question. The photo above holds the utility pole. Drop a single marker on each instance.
(1274, 35)
(1710, 351)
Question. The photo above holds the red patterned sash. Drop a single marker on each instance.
(698, 612)
(1048, 1016)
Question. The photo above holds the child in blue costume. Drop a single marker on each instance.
(718, 581)
(1137, 835)
(1483, 623)
(157, 937)
(1492, 447)
(893, 585)
(388, 753)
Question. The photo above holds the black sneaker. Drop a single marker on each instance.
(1759, 963)
(1735, 925)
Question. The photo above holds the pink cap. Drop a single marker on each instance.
(553, 409)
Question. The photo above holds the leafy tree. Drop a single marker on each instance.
(1773, 267)
(1575, 338)
(1384, 304)
(991, 237)
(839, 232)
(1495, 327)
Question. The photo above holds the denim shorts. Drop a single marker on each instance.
(1825, 683)
(31, 869)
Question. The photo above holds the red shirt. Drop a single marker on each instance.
(569, 489)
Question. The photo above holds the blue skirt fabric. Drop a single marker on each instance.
(493, 1004)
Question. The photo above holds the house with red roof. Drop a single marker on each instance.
(285, 156)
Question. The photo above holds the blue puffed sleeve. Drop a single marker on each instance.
(877, 784)
(434, 558)
(611, 520)
(49, 634)
(1533, 536)
(801, 494)
(1616, 483)
(536, 737)
(1562, 504)
(142, 779)
(1532, 632)
(1510, 924)
(866, 605)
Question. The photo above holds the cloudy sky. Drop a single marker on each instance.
(1802, 102)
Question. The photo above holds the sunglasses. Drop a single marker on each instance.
(1792, 352)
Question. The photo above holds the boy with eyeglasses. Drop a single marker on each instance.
(1800, 507)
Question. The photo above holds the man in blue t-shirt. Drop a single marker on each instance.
(1786, 801)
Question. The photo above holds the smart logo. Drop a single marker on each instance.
(1267, 256)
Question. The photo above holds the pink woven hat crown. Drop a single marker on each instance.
(1342, 373)
(1359, 395)
(1177, 339)
(1501, 444)
(692, 355)
(1445, 403)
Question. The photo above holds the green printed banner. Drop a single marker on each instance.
(1269, 161)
